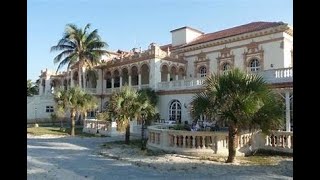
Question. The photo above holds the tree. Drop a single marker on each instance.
(79, 46)
(75, 101)
(150, 97)
(241, 101)
(32, 88)
(126, 105)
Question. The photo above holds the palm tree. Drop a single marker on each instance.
(126, 105)
(73, 100)
(79, 46)
(32, 88)
(87, 102)
(149, 98)
(240, 100)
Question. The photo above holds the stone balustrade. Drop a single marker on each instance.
(281, 75)
(91, 90)
(94, 126)
(215, 142)
(281, 141)
(181, 84)
(271, 76)
(188, 142)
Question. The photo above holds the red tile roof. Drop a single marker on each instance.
(254, 26)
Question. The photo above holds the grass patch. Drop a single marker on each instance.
(132, 144)
(258, 160)
(263, 152)
(56, 130)
(45, 130)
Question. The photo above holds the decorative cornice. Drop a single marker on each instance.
(250, 35)
(184, 91)
(240, 46)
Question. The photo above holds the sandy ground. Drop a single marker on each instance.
(51, 157)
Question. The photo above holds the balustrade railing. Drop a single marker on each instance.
(279, 139)
(215, 142)
(271, 76)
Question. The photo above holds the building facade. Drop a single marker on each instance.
(177, 70)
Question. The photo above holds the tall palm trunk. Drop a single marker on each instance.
(80, 75)
(127, 140)
(72, 115)
(232, 145)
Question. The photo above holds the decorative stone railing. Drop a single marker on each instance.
(94, 126)
(271, 76)
(215, 142)
(282, 75)
(91, 90)
(181, 84)
(111, 90)
(190, 142)
(281, 141)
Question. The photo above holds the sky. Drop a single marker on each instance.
(128, 24)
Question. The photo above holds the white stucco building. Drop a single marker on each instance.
(176, 70)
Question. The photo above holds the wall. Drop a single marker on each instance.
(183, 36)
(178, 37)
(164, 101)
(288, 47)
(273, 53)
(39, 102)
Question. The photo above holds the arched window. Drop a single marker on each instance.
(226, 67)
(175, 111)
(203, 71)
(254, 65)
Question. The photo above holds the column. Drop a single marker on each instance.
(174, 141)
(129, 80)
(203, 142)
(84, 79)
(193, 141)
(99, 82)
(112, 83)
(120, 81)
(168, 77)
(139, 80)
(177, 77)
(287, 97)
(71, 79)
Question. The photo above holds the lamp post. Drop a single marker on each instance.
(97, 112)
(143, 139)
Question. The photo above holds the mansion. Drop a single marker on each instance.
(177, 70)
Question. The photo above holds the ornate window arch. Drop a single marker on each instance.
(225, 60)
(203, 71)
(226, 67)
(175, 111)
(200, 61)
(253, 57)
(254, 65)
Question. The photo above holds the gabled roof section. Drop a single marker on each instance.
(187, 27)
(246, 28)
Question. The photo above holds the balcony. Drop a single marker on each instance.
(181, 84)
(91, 90)
(272, 76)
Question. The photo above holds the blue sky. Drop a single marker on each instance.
(127, 24)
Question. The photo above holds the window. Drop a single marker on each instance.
(49, 108)
(203, 71)
(254, 65)
(175, 111)
(226, 67)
